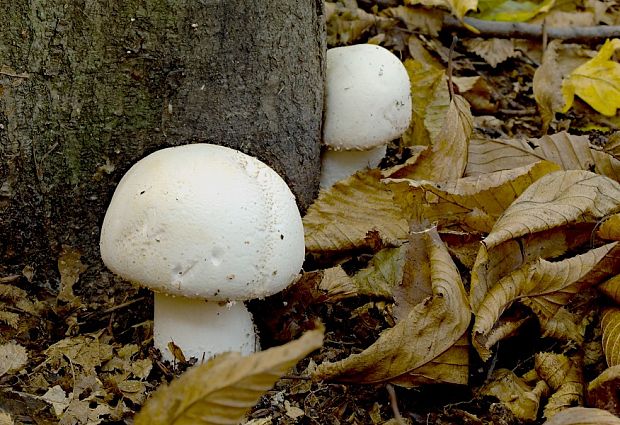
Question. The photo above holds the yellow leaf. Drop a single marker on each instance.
(430, 328)
(597, 81)
(511, 10)
(458, 7)
(222, 390)
(13, 357)
(583, 416)
(343, 215)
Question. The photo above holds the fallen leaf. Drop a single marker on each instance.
(610, 324)
(13, 357)
(597, 81)
(431, 327)
(561, 197)
(346, 23)
(610, 228)
(611, 288)
(70, 267)
(84, 350)
(458, 7)
(514, 393)
(494, 50)
(511, 10)
(222, 390)
(342, 216)
(57, 397)
(475, 201)
(5, 418)
(564, 377)
(568, 151)
(545, 285)
(547, 85)
(583, 416)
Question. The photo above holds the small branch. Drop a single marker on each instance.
(498, 29)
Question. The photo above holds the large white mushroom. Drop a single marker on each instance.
(367, 104)
(205, 227)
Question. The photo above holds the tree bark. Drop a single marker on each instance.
(88, 87)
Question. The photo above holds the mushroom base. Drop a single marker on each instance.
(202, 328)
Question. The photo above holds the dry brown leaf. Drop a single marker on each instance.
(612, 146)
(603, 390)
(583, 416)
(610, 324)
(450, 131)
(547, 85)
(494, 50)
(522, 399)
(427, 86)
(84, 350)
(564, 377)
(610, 228)
(611, 288)
(13, 357)
(430, 328)
(5, 418)
(568, 151)
(342, 216)
(426, 21)
(546, 285)
(475, 201)
(450, 367)
(557, 199)
(222, 390)
(346, 23)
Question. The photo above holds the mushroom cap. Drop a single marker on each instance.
(367, 97)
(203, 221)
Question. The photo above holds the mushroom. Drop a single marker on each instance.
(205, 227)
(367, 104)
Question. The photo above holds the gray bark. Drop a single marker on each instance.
(87, 87)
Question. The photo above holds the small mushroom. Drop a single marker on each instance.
(367, 104)
(205, 227)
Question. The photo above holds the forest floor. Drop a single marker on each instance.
(84, 355)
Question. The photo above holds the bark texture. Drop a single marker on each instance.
(88, 87)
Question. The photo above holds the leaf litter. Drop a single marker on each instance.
(476, 271)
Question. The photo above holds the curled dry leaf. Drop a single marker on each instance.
(547, 286)
(427, 86)
(222, 390)
(347, 23)
(557, 199)
(475, 201)
(522, 399)
(569, 151)
(450, 131)
(547, 85)
(610, 324)
(564, 377)
(342, 216)
(431, 327)
(583, 416)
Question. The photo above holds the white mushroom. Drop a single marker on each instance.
(367, 104)
(203, 226)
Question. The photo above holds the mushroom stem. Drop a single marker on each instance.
(200, 327)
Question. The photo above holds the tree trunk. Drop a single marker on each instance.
(88, 87)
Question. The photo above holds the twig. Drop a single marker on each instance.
(497, 29)
(394, 404)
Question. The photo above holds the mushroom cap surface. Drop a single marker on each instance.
(203, 221)
(367, 97)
